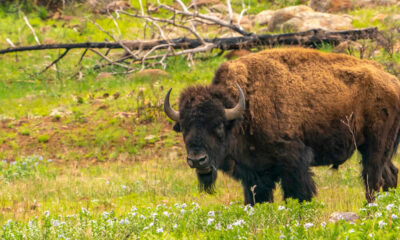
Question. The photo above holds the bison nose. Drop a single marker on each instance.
(197, 161)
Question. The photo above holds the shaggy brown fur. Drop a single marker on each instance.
(304, 108)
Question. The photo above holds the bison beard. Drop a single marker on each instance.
(295, 108)
(206, 181)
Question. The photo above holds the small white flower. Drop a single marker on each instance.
(85, 211)
(308, 225)
(55, 223)
(176, 204)
(323, 224)
(50, 160)
(124, 187)
(183, 211)
(165, 213)
(378, 214)
(381, 224)
(4, 161)
(175, 226)
(239, 222)
(282, 236)
(154, 215)
(389, 206)
(218, 226)
(211, 214)
(105, 214)
(196, 205)
(229, 226)
(363, 209)
(159, 230)
(183, 205)
(351, 230)
(394, 216)
(280, 208)
(372, 205)
(124, 221)
(46, 213)
(371, 235)
(210, 221)
(151, 224)
(13, 163)
(133, 209)
(40, 158)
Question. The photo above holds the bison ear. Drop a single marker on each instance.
(177, 127)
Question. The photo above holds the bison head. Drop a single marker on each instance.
(206, 125)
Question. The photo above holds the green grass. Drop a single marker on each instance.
(101, 156)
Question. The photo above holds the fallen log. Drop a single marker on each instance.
(311, 38)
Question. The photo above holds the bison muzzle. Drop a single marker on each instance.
(270, 116)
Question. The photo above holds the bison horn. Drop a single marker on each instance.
(171, 113)
(238, 110)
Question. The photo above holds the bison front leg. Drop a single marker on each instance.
(258, 192)
(298, 184)
(296, 177)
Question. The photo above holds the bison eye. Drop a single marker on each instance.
(219, 130)
(177, 127)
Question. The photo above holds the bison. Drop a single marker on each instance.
(270, 116)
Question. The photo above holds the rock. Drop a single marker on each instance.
(220, 8)
(103, 76)
(202, 3)
(345, 46)
(331, 5)
(236, 53)
(347, 216)
(380, 17)
(153, 74)
(374, 3)
(60, 112)
(282, 15)
(306, 20)
(313, 20)
(264, 17)
(116, 5)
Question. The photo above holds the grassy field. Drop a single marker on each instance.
(87, 154)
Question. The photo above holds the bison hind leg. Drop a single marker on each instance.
(389, 176)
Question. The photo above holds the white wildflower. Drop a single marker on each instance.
(176, 204)
(282, 236)
(46, 213)
(183, 211)
(40, 158)
(124, 187)
(211, 214)
(50, 160)
(229, 226)
(351, 230)
(151, 224)
(159, 230)
(175, 226)
(85, 211)
(363, 209)
(239, 222)
(394, 216)
(378, 214)
(218, 226)
(183, 205)
(133, 209)
(124, 221)
(308, 225)
(280, 208)
(371, 235)
(165, 213)
(105, 214)
(372, 205)
(323, 224)
(389, 206)
(55, 223)
(210, 221)
(381, 224)
(196, 205)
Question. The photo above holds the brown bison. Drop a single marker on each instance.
(270, 116)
